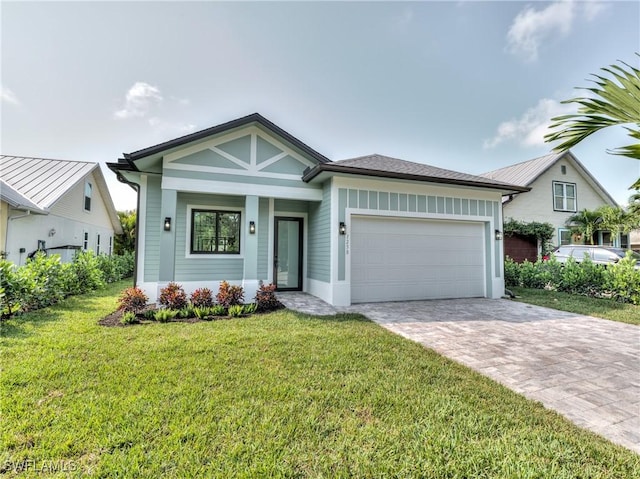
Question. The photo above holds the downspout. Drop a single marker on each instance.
(136, 187)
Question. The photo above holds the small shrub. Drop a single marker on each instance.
(173, 296)
(129, 317)
(250, 308)
(89, 276)
(511, 274)
(202, 312)
(218, 310)
(186, 312)
(236, 310)
(149, 314)
(266, 299)
(165, 315)
(623, 280)
(132, 300)
(229, 295)
(202, 298)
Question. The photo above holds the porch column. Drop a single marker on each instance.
(250, 277)
(167, 238)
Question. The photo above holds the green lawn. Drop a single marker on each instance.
(600, 308)
(280, 395)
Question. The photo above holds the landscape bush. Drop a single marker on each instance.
(172, 296)
(266, 299)
(229, 295)
(132, 300)
(202, 298)
(43, 280)
(619, 281)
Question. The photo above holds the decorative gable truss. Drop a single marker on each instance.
(248, 152)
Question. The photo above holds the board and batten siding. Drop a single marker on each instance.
(152, 230)
(319, 256)
(205, 268)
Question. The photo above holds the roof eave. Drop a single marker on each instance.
(239, 122)
(506, 189)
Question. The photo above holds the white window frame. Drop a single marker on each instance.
(97, 244)
(85, 241)
(560, 231)
(564, 196)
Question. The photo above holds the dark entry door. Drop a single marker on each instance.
(287, 257)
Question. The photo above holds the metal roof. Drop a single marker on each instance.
(43, 181)
(389, 167)
(524, 173)
(17, 200)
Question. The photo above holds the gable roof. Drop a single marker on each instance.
(526, 172)
(41, 182)
(127, 163)
(389, 167)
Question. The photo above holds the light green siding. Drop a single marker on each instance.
(207, 158)
(291, 206)
(319, 231)
(265, 150)
(239, 148)
(199, 268)
(288, 165)
(263, 238)
(152, 230)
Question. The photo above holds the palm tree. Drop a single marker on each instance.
(585, 223)
(634, 203)
(616, 102)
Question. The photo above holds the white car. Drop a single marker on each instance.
(602, 255)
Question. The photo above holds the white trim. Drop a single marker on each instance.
(270, 239)
(241, 189)
(334, 245)
(189, 255)
(141, 232)
(321, 290)
(229, 171)
(272, 160)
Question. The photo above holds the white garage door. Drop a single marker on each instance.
(394, 259)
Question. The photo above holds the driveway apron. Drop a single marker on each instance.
(585, 368)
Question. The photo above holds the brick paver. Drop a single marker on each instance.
(585, 368)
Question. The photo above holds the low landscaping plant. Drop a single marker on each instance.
(229, 295)
(619, 281)
(250, 308)
(202, 298)
(165, 315)
(236, 310)
(266, 299)
(173, 296)
(129, 317)
(132, 300)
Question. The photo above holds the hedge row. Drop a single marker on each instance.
(620, 281)
(44, 280)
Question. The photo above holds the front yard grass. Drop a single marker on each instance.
(278, 395)
(598, 307)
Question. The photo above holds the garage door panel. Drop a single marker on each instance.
(394, 259)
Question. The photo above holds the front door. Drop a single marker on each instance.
(287, 257)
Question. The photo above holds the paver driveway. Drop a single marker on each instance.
(585, 368)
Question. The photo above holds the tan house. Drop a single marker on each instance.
(59, 206)
(560, 187)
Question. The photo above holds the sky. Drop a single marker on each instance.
(468, 86)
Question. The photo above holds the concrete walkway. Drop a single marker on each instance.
(585, 368)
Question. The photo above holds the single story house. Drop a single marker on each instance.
(59, 206)
(560, 187)
(246, 201)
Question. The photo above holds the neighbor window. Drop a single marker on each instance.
(98, 244)
(88, 190)
(215, 232)
(85, 242)
(564, 196)
(564, 236)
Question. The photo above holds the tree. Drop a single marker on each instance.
(126, 242)
(585, 223)
(616, 102)
(634, 203)
(617, 220)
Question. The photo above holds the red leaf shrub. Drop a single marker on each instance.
(202, 298)
(173, 296)
(266, 298)
(132, 300)
(229, 295)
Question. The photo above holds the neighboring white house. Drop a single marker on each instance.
(560, 187)
(60, 206)
(246, 201)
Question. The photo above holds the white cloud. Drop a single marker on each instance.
(140, 98)
(593, 8)
(171, 128)
(530, 128)
(531, 27)
(7, 96)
